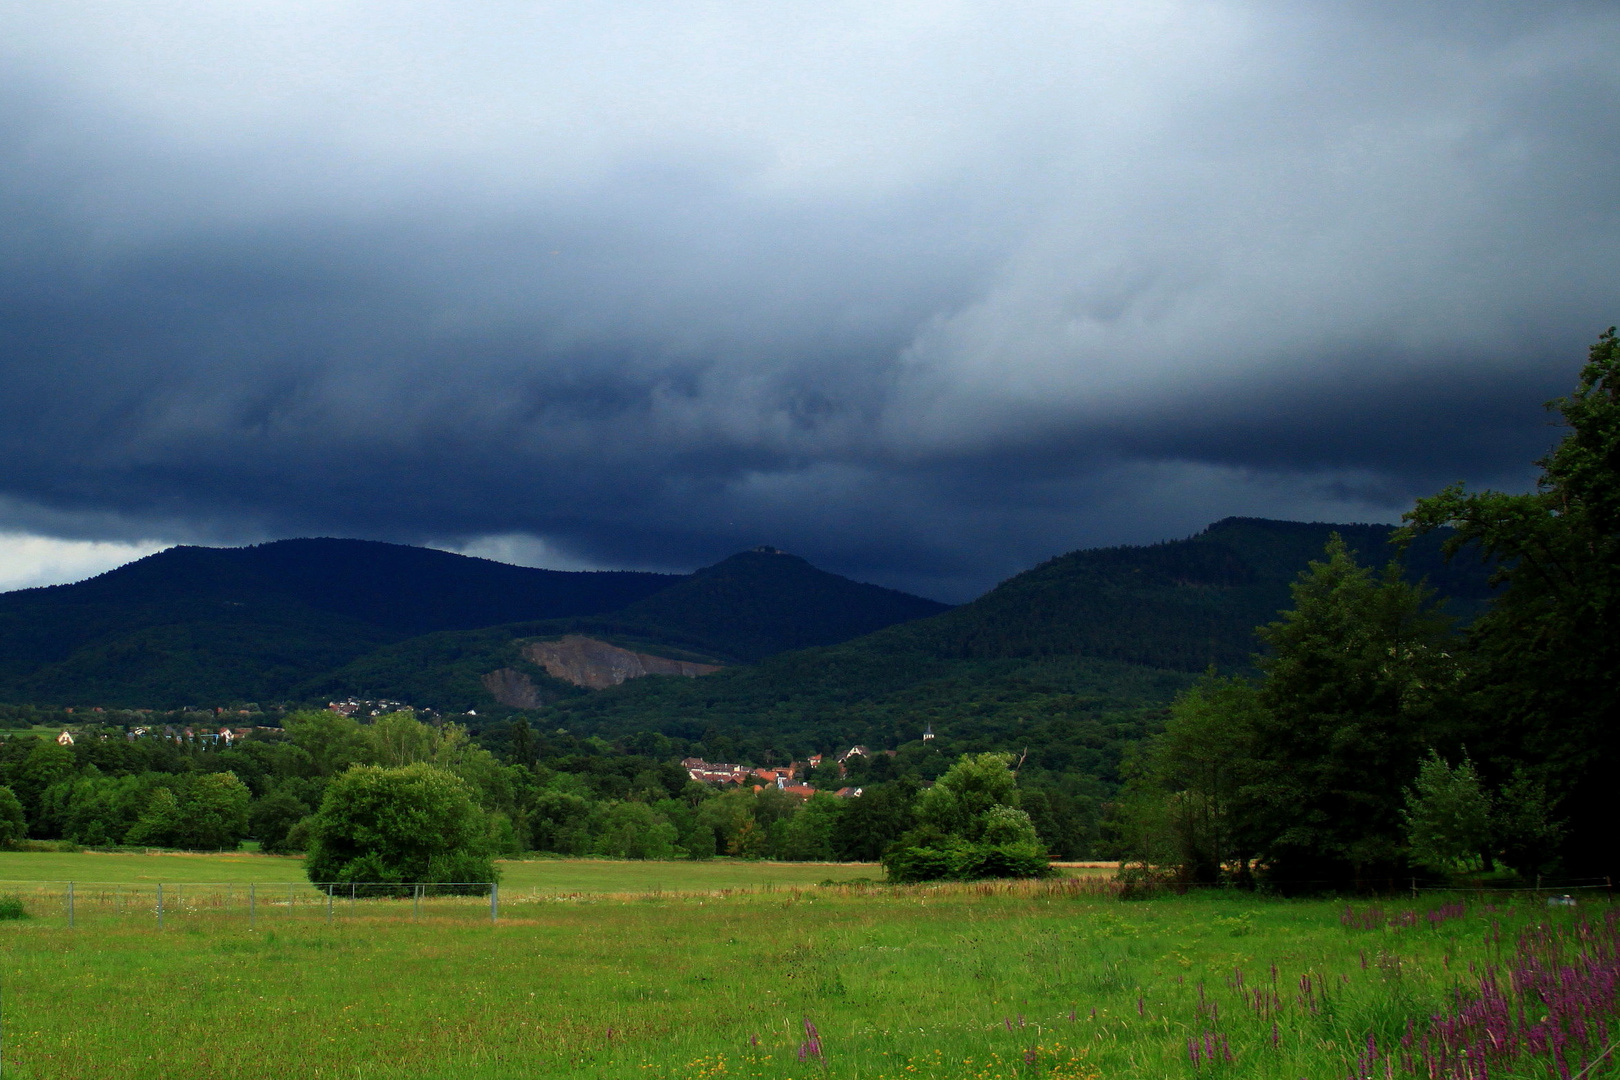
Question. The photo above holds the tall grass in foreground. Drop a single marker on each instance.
(958, 981)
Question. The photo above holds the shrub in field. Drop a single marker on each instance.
(970, 827)
(417, 823)
(11, 907)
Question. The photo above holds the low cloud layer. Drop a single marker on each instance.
(924, 292)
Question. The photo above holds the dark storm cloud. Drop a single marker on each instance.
(924, 292)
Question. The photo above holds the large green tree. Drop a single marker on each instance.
(969, 826)
(415, 823)
(1357, 677)
(1188, 798)
(1304, 769)
(1544, 693)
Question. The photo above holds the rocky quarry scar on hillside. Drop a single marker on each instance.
(582, 661)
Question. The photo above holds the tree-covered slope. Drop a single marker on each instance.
(1182, 604)
(750, 606)
(1083, 637)
(192, 625)
(759, 603)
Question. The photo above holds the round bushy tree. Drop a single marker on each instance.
(969, 826)
(417, 823)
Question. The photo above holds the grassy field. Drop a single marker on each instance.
(980, 982)
(517, 876)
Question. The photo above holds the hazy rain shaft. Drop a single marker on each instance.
(922, 292)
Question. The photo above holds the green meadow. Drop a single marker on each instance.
(517, 875)
(619, 970)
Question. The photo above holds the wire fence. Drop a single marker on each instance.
(164, 903)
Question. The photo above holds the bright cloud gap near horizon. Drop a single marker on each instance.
(27, 562)
(925, 293)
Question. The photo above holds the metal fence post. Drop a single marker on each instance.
(252, 904)
(329, 905)
(494, 900)
(416, 901)
(160, 905)
(70, 905)
(290, 900)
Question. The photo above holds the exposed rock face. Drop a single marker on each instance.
(512, 688)
(585, 661)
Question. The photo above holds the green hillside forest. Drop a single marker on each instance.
(212, 626)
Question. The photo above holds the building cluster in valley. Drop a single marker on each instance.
(365, 707)
(789, 778)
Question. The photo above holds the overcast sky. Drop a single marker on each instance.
(926, 292)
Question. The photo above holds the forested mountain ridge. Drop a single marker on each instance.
(301, 619)
(1182, 604)
(197, 625)
(194, 624)
(744, 608)
(762, 602)
(1069, 664)
(1071, 658)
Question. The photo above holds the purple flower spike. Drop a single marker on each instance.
(810, 1049)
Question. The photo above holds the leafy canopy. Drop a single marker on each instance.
(414, 823)
(1448, 815)
(970, 826)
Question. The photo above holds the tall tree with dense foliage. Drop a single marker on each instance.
(1304, 769)
(1546, 693)
(1187, 802)
(206, 812)
(1354, 681)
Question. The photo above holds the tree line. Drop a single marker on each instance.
(309, 785)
